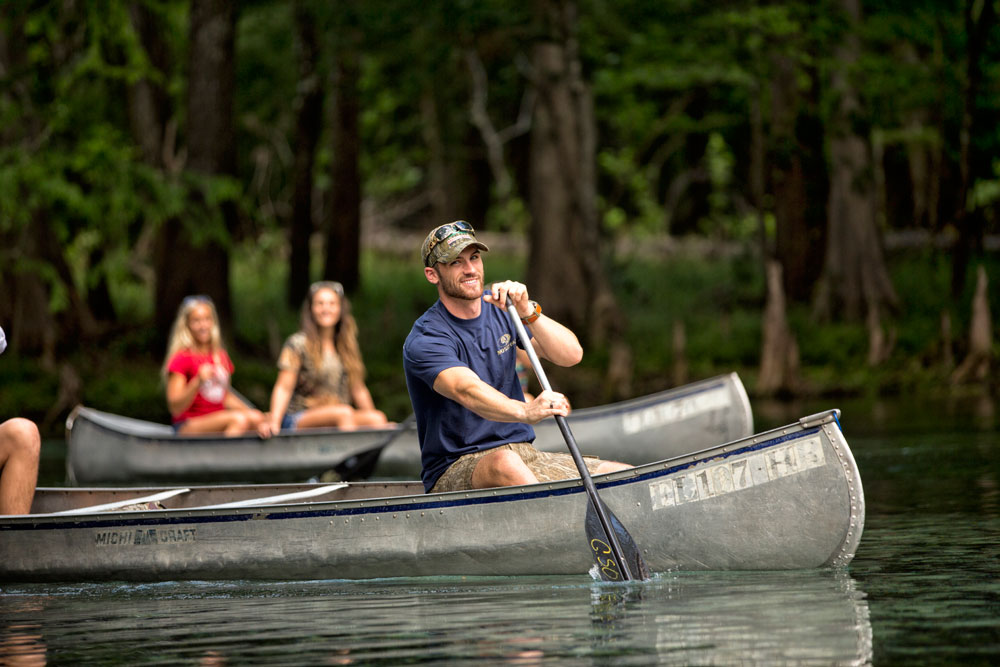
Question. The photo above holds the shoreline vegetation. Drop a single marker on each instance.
(694, 309)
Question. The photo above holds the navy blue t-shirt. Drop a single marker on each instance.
(487, 345)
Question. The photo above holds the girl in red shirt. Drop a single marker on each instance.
(197, 371)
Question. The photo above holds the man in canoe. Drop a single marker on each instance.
(473, 423)
(20, 447)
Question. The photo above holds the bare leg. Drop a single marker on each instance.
(370, 418)
(501, 467)
(228, 422)
(612, 466)
(20, 446)
(338, 416)
(239, 423)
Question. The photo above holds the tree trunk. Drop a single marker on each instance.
(99, 300)
(796, 240)
(148, 102)
(309, 107)
(976, 364)
(183, 266)
(152, 126)
(970, 227)
(679, 370)
(756, 176)
(923, 157)
(947, 355)
(343, 239)
(855, 281)
(779, 357)
(440, 192)
(30, 326)
(565, 271)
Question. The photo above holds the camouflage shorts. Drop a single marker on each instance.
(547, 466)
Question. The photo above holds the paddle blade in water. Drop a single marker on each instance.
(607, 566)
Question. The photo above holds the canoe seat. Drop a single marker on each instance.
(278, 499)
(125, 505)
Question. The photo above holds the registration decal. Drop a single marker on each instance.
(675, 411)
(738, 474)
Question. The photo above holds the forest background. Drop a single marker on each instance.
(803, 192)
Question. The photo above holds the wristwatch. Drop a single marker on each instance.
(535, 315)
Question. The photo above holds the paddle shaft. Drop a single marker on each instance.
(574, 451)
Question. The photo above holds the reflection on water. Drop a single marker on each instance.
(769, 618)
(22, 645)
(744, 618)
(679, 618)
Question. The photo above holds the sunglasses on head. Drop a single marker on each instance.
(447, 231)
(196, 298)
(326, 284)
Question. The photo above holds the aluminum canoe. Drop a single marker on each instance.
(788, 498)
(104, 448)
(648, 428)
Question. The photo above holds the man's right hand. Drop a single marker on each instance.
(547, 404)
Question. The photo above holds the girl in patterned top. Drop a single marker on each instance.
(321, 377)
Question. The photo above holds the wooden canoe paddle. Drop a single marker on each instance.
(614, 550)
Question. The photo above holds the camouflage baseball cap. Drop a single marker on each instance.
(446, 242)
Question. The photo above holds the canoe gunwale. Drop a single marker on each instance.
(103, 420)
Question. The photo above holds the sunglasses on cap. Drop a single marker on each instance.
(446, 231)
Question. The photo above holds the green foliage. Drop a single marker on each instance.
(672, 82)
(985, 191)
(723, 222)
(715, 303)
(129, 388)
(67, 158)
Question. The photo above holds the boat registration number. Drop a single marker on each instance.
(738, 474)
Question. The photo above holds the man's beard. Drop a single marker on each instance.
(454, 288)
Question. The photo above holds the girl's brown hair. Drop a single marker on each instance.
(345, 332)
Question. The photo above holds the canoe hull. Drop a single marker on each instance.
(649, 428)
(787, 499)
(103, 448)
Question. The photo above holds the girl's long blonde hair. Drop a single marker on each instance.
(345, 332)
(180, 333)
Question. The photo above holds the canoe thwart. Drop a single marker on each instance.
(278, 499)
(118, 504)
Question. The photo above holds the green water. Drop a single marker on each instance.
(924, 588)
